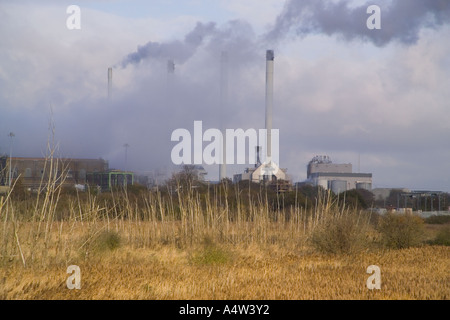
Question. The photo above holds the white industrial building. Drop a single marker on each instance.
(262, 173)
(321, 171)
(266, 171)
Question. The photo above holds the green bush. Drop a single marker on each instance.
(108, 240)
(94, 244)
(400, 231)
(442, 237)
(105, 241)
(211, 254)
(343, 234)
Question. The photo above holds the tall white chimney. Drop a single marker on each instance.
(223, 106)
(269, 101)
(109, 82)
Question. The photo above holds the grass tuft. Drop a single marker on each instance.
(211, 254)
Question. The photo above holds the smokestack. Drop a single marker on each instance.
(223, 106)
(258, 160)
(170, 67)
(109, 82)
(170, 82)
(269, 101)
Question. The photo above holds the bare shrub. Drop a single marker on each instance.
(341, 234)
(400, 231)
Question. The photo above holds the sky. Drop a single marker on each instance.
(376, 98)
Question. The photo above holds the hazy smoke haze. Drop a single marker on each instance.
(339, 88)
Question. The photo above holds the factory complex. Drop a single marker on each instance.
(34, 173)
(80, 173)
(321, 171)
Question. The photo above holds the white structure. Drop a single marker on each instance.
(223, 106)
(336, 177)
(269, 170)
(260, 173)
(269, 101)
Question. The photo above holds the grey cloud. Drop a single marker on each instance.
(401, 20)
(146, 108)
(235, 35)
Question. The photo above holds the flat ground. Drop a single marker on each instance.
(234, 272)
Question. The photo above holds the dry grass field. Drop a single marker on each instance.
(230, 272)
(195, 245)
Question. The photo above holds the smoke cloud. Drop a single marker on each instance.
(401, 20)
(200, 49)
(336, 104)
(235, 36)
(178, 50)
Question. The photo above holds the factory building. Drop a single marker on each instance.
(106, 180)
(321, 171)
(261, 172)
(35, 172)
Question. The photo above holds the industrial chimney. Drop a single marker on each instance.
(258, 160)
(109, 82)
(267, 171)
(269, 102)
(170, 66)
(223, 106)
(170, 82)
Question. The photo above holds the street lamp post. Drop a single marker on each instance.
(10, 135)
(126, 145)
